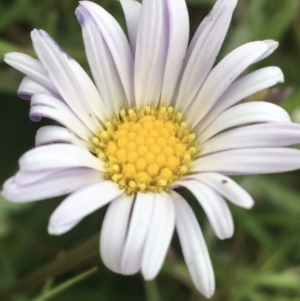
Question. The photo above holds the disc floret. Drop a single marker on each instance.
(145, 150)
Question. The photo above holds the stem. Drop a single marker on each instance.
(151, 289)
(62, 287)
(58, 266)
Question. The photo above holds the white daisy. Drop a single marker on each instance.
(160, 117)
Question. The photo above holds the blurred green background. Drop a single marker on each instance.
(261, 262)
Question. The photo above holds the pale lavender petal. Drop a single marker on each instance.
(137, 233)
(56, 134)
(91, 94)
(66, 80)
(254, 136)
(151, 53)
(177, 19)
(30, 87)
(159, 235)
(218, 6)
(80, 204)
(247, 85)
(222, 76)
(31, 67)
(59, 156)
(243, 114)
(249, 161)
(102, 33)
(193, 246)
(114, 231)
(272, 46)
(102, 64)
(202, 53)
(28, 187)
(28, 177)
(131, 10)
(214, 206)
(226, 187)
(51, 107)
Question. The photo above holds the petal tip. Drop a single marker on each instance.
(79, 13)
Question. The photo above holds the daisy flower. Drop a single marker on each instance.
(159, 117)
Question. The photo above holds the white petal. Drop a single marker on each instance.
(202, 53)
(193, 246)
(66, 80)
(31, 67)
(222, 76)
(28, 187)
(102, 64)
(226, 187)
(112, 36)
(30, 87)
(214, 206)
(220, 4)
(91, 94)
(159, 235)
(247, 85)
(177, 19)
(249, 161)
(51, 107)
(151, 53)
(272, 46)
(59, 156)
(243, 114)
(137, 233)
(56, 134)
(29, 177)
(114, 230)
(254, 136)
(131, 10)
(80, 204)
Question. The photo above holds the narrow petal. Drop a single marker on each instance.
(226, 187)
(101, 63)
(243, 114)
(57, 156)
(80, 204)
(177, 19)
(57, 63)
(114, 231)
(159, 235)
(202, 52)
(104, 29)
(222, 76)
(23, 178)
(220, 4)
(30, 87)
(48, 106)
(254, 136)
(272, 46)
(246, 86)
(24, 189)
(31, 67)
(91, 94)
(56, 134)
(193, 246)
(214, 206)
(131, 9)
(249, 161)
(137, 233)
(151, 53)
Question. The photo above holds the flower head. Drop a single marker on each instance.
(160, 116)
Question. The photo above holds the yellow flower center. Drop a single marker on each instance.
(145, 150)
